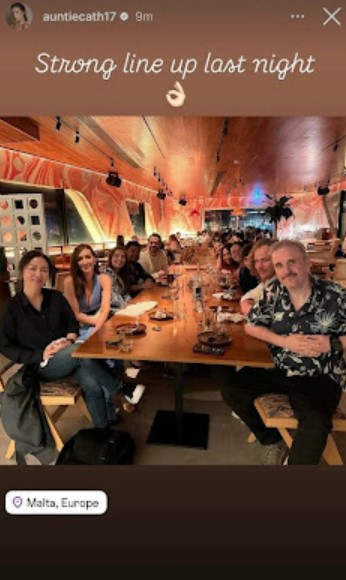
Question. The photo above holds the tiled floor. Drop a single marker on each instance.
(227, 436)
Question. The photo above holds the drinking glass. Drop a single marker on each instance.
(126, 342)
(208, 319)
(179, 309)
(175, 291)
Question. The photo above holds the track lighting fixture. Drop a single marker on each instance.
(113, 179)
(323, 190)
(161, 194)
(164, 190)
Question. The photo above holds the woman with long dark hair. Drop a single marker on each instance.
(19, 17)
(117, 270)
(38, 328)
(88, 291)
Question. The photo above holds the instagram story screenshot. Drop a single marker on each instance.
(172, 284)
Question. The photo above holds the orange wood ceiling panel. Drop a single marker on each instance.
(277, 154)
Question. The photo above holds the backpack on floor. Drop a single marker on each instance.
(98, 447)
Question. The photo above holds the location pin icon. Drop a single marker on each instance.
(17, 501)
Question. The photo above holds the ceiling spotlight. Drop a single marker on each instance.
(77, 137)
(113, 179)
(161, 194)
(323, 190)
(182, 201)
(58, 123)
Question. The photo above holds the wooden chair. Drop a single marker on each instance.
(323, 256)
(56, 397)
(276, 411)
(59, 280)
(339, 270)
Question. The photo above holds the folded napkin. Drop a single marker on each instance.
(136, 309)
(224, 296)
(218, 295)
(229, 317)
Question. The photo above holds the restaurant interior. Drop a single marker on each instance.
(92, 178)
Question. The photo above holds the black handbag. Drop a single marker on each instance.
(98, 447)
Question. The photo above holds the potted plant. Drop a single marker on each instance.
(280, 209)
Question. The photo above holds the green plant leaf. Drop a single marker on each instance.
(280, 209)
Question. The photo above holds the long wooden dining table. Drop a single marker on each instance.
(172, 341)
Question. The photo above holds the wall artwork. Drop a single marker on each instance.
(22, 227)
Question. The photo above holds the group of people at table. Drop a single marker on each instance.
(299, 316)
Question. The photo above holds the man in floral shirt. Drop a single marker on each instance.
(303, 320)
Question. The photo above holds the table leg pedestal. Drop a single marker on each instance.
(180, 428)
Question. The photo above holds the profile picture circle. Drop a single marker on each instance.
(19, 16)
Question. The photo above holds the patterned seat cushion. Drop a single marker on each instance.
(5, 364)
(279, 406)
(59, 387)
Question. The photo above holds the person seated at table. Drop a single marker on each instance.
(39, 328)
(117, 269)
(226, 264)
(263, 266)
(174, 246)
(237, 237)
(169, 253)
(303, 320)
(92, 299)
(217, 247)
(138, 278)
(88, 291)
(153, 260)
(204, 239)
(237, 257)
(247, 279)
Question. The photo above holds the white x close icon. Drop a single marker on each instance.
(331, 16)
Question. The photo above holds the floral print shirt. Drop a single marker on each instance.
(323, 313)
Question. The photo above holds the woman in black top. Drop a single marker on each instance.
(38, 328)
